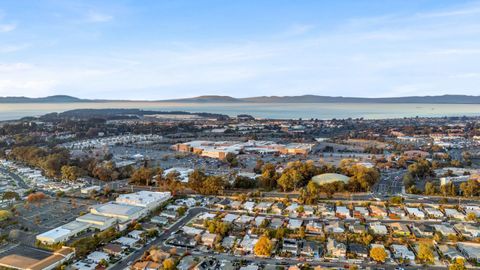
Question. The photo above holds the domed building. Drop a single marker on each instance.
(330, 178)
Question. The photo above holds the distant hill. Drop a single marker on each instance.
(49, 99)
(444, 99)
(206, 99)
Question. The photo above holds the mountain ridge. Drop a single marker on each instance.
(438, 99)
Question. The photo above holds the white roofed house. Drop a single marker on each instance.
(263, 206)
(126, 241)
(454, 214)
(378, 228)
(468, 230)
(247, 244)
(295, 224)
(98, 256)
(470, 250)
(402, 252)
(249, 206)
(475, 209)
(415, 212)
(229, 218)
(433, 213)
(444, 229)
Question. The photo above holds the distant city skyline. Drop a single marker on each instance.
(152, 50)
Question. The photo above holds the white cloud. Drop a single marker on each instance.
(4, 28)
(12, 48)
(13, 67)
(98, 17)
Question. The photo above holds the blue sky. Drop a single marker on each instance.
(168, 49)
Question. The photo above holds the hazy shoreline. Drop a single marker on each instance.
(260, 110)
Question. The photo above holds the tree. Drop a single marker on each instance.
(103, 262)
(430, 188)
(378, 254)
(263, 247)
(470, 188)
(195, 179)
(231, 159)
(10, 195)
(471, 216)
(168, 264)
(269, 176)
(458, 264)
(5, 214)
(367, 239)
(142, 176)
(71, 173)
(425, 253)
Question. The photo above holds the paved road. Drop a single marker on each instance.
(15, 177)
(192, 212)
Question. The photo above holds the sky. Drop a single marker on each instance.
(162, 49)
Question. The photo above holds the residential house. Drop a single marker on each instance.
(422, 230)
(358, 250)
(336, 249)
(399, 229)
(454, 214)
(263, 206)
(378, 228)
(450, 252)
(113, 249)
(314, 227)
(335, 227)
(402, 252)
(357, 228)
(415, 212)
(468, 230)
(444, 230)
(360, 212)
(295, 224)
(290, 246)
(433, 213)
(378, 212)
(343, 212)
(249, 206)
(470, 250)
(208, 239)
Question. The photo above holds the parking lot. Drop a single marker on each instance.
(35, 218)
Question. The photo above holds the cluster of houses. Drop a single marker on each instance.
(321, 242)
(100, 141)
(220, 149)
(35, 179)
(369, 212)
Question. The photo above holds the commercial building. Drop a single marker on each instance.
(63, 233)
(147, 199)
(51, 261)
(97, 221)
(122, 212)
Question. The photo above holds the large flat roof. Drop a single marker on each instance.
(93, 217)
(118, 209)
